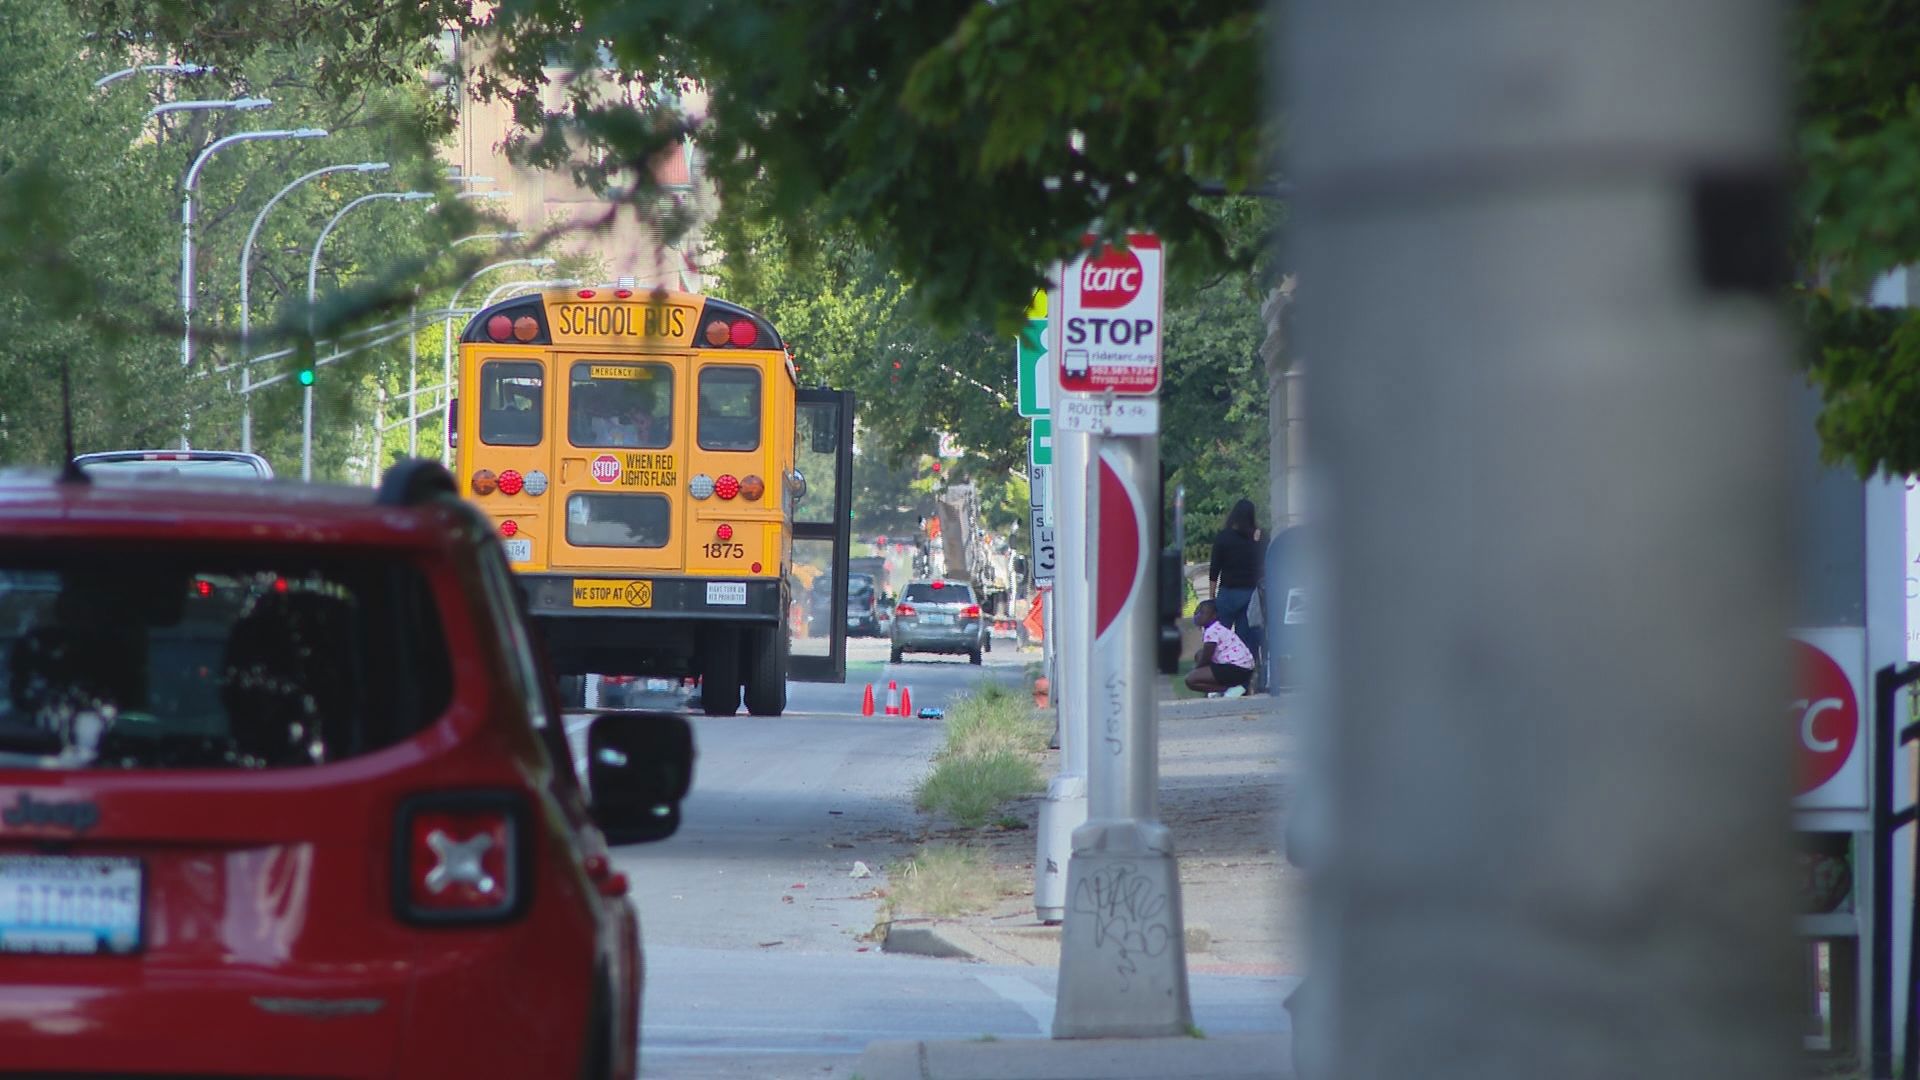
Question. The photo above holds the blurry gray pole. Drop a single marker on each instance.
(1549, 405)
(1065, 807)
(1123, 957)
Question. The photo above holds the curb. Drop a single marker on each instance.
(922, 940)
(1233, 1057)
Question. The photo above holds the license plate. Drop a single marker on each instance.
(519, 549)
(659, 686)
(938, 620)
(69, 904)
(852, 621)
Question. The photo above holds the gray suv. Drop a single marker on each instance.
(939, 617)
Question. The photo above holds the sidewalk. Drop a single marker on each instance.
(1226, 769)
(1226, 775)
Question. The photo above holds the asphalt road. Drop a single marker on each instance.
(758, 960)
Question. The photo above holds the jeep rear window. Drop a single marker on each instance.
(945, 594)
(117, 659)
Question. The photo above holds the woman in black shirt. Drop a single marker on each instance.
(1234, 571)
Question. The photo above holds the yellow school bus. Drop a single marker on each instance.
(657, 475)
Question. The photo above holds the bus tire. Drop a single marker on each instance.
(766, 684)
(720, 681)
(573, 692)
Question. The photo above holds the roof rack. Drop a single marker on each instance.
(415, 482)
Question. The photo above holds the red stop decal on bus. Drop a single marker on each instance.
(606, 468)
(1826, 718)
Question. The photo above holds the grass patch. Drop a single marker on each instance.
(943, 880)
(990, 758)
(993, 719)
(970, 789)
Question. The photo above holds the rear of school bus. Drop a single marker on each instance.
(636, 451)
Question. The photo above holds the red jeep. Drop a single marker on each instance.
(284, 792)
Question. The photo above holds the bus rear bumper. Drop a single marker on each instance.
(681, 621)
(594, 596)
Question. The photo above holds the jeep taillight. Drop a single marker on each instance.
(971, 611)
(903, 609)
(462, 858)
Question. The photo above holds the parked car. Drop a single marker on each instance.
(644, 692)
(113, 465)
(863, 608)
(284, 788)
(939, 617)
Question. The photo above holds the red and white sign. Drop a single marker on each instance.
(1828, 713)
(1109, 325)
(606, 469)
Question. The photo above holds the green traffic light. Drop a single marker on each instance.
(306, 376)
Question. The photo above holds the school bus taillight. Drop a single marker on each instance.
(523, 329)
(511, 482)
(723, 532)
(509, 527)
(726, 486)
(752, 487)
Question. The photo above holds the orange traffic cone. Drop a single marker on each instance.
(893, 698)
(866, 701)
(906, 701)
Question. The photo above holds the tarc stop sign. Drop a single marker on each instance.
(1827, 716)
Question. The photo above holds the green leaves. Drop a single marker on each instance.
(1857, 215)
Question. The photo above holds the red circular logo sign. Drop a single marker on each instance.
(606, 468)
(1110, 280)
(1826, 718)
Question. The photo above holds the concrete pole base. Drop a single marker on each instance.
(1064, 810)
(1123, 956)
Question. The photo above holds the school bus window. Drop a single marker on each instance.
(624, 521)
(621, 405)
(730, 408)
(510, 403)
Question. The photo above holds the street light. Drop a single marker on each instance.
(446, 352)
(186, 234)
(488, 236)
(246, 308)
(171, 69)
(313, 278)
(186, 220)
(245, 104)
(555, 283)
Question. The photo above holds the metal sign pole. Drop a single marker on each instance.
(1123, 959)
(1065, 808)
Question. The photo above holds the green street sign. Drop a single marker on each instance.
(1030, 348)
(1040, 443)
